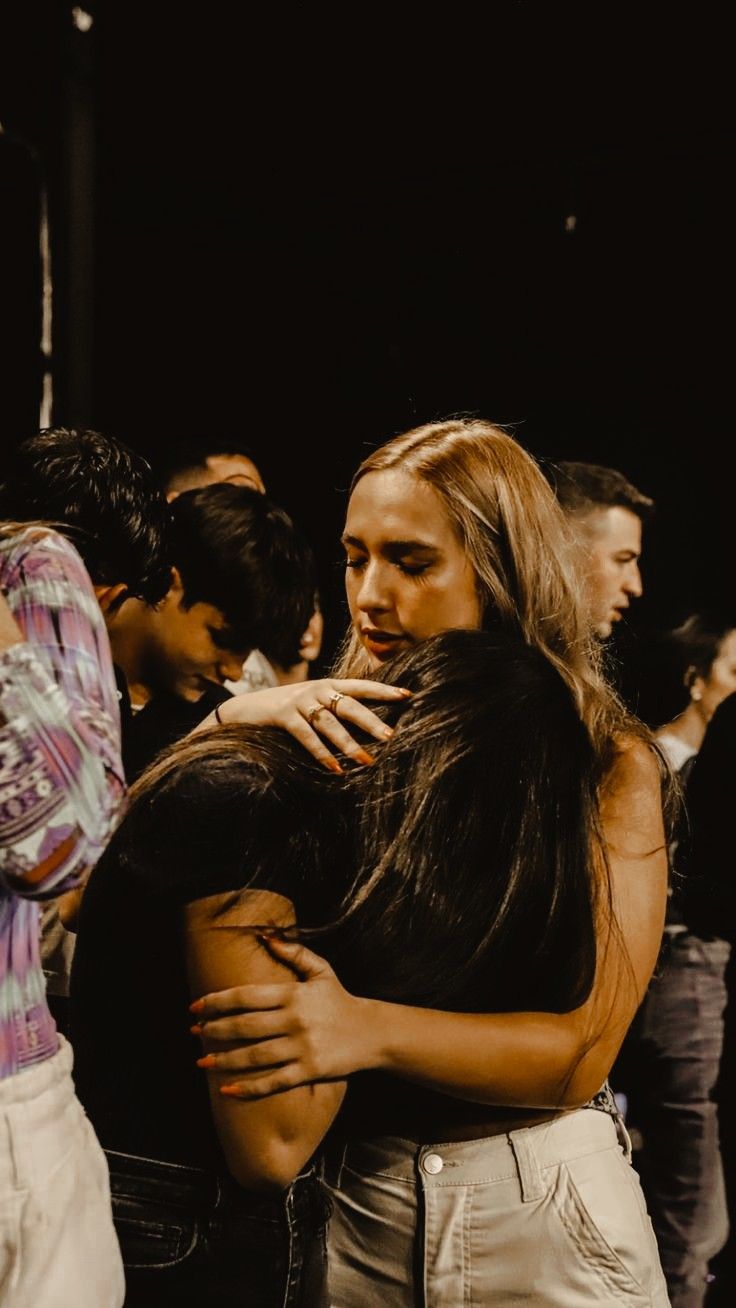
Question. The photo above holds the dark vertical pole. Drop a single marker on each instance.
(75, 319)
(20, 289)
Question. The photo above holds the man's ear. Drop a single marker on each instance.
(110, 598)
(176, 588)
(694, 683)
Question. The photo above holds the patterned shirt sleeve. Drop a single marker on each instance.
(61, 778)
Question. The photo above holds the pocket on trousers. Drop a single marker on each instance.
(601, 1215)
(96, 1157)
(12, 1206)
(151, 1240)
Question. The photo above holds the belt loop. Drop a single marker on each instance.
(333, 1161)
(624, 1138)
(9, 1150)
(530, 1177)
(16, 1145)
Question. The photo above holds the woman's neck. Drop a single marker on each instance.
(689, 727)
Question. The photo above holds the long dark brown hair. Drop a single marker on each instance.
(464, 867)
(479, 866)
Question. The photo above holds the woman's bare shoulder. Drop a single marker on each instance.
(631, 795)
(635, 758)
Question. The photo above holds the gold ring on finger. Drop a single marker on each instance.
(334, 701)
(314, 710)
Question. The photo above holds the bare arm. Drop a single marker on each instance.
(536, 1060)
(544, 1059)
(266, 1142)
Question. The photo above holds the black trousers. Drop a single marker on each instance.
(192, 1237)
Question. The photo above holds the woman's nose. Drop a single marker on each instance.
(373, 591)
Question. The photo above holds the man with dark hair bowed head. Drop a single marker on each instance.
(105, 498)
(242, 578)
(606, 513)
(226, 459)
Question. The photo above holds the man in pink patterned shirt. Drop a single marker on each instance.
(61, 792)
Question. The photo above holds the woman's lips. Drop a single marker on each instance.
(381, 643)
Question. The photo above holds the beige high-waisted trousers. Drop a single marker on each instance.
(551, 1215)
(58, 1247)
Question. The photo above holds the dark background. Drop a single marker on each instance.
(314, 230)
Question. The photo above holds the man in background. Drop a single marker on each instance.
(606, 514)
(668, 1062)
(202, 464)
(242, 576)
(276, 663)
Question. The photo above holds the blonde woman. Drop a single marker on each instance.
(498, 1176)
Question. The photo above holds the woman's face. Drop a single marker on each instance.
(721, 680)
(407, 575)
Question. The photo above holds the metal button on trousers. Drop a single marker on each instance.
(432, 1164)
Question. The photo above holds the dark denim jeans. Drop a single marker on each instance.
(194, 1238)
(669, 1070)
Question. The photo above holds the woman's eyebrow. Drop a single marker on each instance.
(396, 547)
(410, 547)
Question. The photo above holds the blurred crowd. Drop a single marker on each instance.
(153, 621)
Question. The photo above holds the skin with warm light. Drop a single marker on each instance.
(407, 575)
(611, 542)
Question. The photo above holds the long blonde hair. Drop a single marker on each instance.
(516, 536)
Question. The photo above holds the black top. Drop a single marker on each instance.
(675, 914)
(161, 722)
(134, 1055)
(709, 898)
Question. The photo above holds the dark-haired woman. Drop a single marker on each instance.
(671, 1059)
(221, 836)
(453, 526)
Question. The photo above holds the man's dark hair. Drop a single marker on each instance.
(100, 494)
(697, 642)
(190, 457)
(582, 487)
(237, 550)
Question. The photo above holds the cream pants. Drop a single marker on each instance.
(552, 1216)
(58, 1247)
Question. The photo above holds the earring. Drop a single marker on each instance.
(696, 694)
